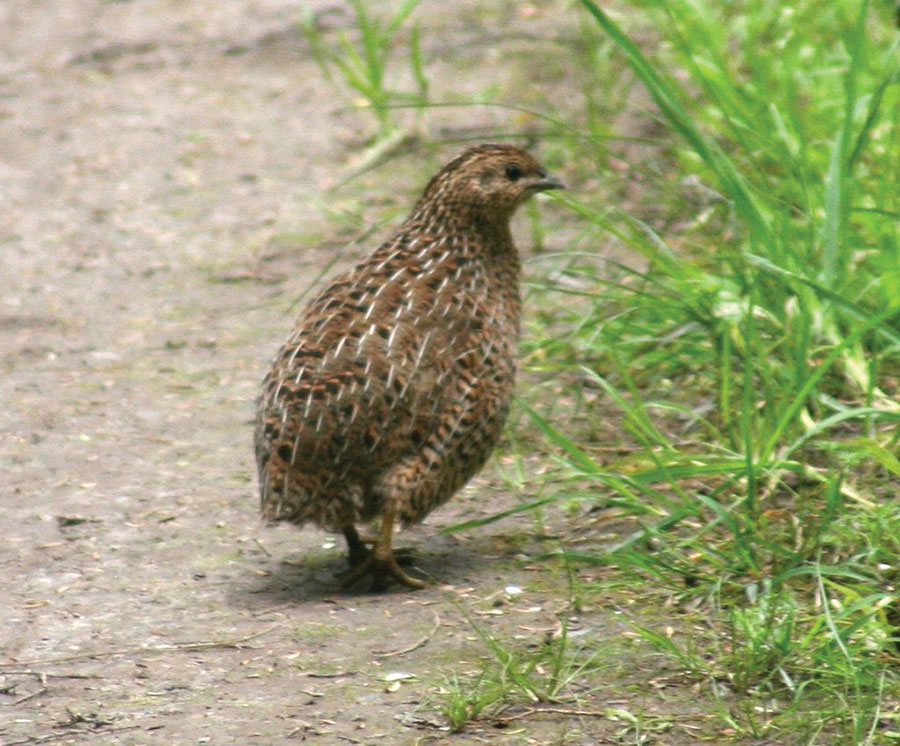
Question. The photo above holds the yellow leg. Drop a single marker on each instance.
(380, 563)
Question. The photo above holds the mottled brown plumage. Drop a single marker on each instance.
(394, 386)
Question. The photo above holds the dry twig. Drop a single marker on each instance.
(414, 646)
(65, 733)
(179, 646)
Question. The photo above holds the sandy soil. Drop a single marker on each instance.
(164, 171)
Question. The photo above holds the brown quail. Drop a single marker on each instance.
(394, 386)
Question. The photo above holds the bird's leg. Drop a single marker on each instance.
(380, 562)
(384, 563)
(357, 546)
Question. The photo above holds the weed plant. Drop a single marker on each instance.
(753, 356)
(362, 61)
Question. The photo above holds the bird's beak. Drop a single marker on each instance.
(547, 181)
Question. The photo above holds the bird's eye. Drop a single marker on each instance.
(513, 172)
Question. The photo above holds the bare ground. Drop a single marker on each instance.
(164, 169)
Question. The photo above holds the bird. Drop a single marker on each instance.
(394, 386)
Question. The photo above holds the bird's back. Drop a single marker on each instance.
(395, 383)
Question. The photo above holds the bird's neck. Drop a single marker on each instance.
(496, 233)
(492, 232)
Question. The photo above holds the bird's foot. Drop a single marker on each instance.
(358, 553)
(384, 569)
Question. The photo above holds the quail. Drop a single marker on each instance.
(393, 388)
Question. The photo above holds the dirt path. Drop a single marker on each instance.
(163, 169)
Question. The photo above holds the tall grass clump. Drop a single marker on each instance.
(754, 356)
(364, 60)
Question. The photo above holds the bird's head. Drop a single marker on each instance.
(487, 182)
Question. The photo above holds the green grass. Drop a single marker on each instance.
(363, 62)
(752, 356)
(552, 671)
(714, 361)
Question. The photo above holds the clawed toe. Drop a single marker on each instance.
(404, 556)
(380, 562)
(384, 571)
